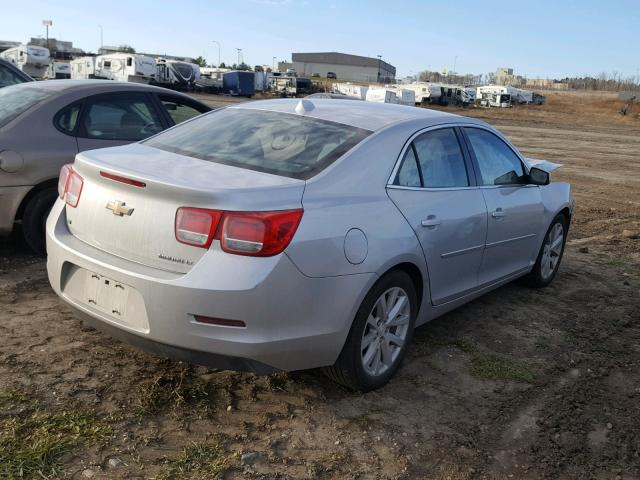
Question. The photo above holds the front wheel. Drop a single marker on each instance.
(380, 334)
(550, 255)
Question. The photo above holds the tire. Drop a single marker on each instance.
(549, 259)
(34, 219)
(361, 368)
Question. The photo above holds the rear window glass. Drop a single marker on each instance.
(17, 99)
(279, 143)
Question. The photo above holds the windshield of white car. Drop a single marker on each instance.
(17, 99)
(283, 144)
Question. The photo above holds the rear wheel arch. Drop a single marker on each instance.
(50, 183)
(416, 276)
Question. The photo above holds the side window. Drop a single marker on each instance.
(66, 120)
(128, 117)
(440, 158)
(178, 111)
(9, 77)
(409, 175)
(499, 165)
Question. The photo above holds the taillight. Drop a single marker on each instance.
(259, 234)
(196, 226)
(70, 185)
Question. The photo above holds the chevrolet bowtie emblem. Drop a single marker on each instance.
(119, 208)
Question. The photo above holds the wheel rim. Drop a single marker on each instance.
(385, 332)
(552, 250)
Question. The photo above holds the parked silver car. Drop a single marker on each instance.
(286, 235)
(43, 125)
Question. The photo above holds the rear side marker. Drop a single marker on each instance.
(223, 322)
(118, 178)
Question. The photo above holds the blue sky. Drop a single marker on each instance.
(543, 38)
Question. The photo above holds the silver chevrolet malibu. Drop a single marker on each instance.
(293, 234)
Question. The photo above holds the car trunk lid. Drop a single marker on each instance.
(131, 194)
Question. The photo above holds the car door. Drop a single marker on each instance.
(119, 118)
(178, 109)
(435, 190)
(515, 207)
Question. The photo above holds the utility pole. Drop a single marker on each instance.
(239, 55)
(273, 66)
(379, 77)
(47, 24)
(455, 60)
(218, 44)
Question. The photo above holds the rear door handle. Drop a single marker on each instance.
(498, 213)
(431, 222)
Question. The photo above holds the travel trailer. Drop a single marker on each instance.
(350, 90)
(424, 92)
(522, 96)
(83, 68)
(126, 67)
(290, 86)
(176, 74)
(495, 95)
(31, 59)
(381, 95)
(58, 71)
(405, 96)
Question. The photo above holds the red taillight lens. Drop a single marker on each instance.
(65, 171)
(260, 234)
(70, 185)
(196, 226)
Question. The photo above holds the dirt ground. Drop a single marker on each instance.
(520, 383)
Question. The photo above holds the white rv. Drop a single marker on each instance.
(425, 92)
(495, 95)
(522, 96)
(176, 74)
(58, 71)
(83, 68)
(350, 90)
(405, 96)
(381, 95)
(31, 59)
(126, 67)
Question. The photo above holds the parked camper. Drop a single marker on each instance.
(424, 92)
(58, 71)
(290, 86)
(125, 67)
(463, 95)
(381, 95)
(495, 95)
(522, 96)
(351, 90)
(405, 96)
(237, 82)
(31, 59)
(175, 74)
(83, 68)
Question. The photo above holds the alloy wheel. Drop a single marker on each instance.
(552, 251)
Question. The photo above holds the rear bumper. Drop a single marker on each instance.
(10, 199)
(292, 321)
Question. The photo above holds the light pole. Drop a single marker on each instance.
(101, 37)
(239, 55)
(273, 64)
(455, 60)
(379, 58)
(47, 24)
(218, 44)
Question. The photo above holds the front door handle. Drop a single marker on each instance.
(498, 213)
(431, 222)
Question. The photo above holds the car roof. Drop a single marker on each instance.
(367, 115)
(101, 86)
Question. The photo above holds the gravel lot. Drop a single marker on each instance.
(521, 383)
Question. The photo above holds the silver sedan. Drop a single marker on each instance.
(286, 235)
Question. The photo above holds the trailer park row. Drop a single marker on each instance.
(35, 61)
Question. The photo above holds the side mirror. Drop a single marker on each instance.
(538, 176)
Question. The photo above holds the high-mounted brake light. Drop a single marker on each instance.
(70, 185)
(258, 234)
(118, 178)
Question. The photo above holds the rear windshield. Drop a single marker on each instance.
(17, 99)
(279, 143)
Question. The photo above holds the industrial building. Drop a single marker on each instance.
(346, 67)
